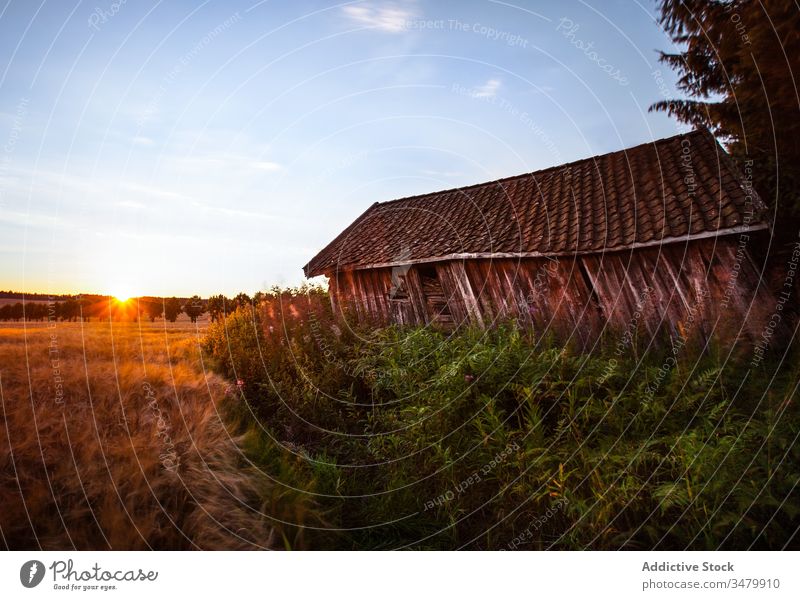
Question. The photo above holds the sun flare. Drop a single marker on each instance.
(121, 293)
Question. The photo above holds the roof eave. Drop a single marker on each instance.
(499, 255)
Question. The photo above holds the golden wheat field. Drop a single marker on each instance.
(112, 438)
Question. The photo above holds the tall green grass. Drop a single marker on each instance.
(501, 439)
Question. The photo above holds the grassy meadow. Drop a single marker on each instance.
(282, 427)
(111, 437)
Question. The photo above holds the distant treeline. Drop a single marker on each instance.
(44, 307)
(40, 307)
(25, 296)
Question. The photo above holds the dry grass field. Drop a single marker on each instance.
(111, 437)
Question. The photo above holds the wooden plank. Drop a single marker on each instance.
(416, 297)
(444, 297)
(580, 302)
(382, 283)
(591, 268)
(603, 272)
(538, 274)
(683, 267)
(506, 289)
(672, 270)
(478, 275)
(638, 280)
(334, 292)
(362, 296)
(344, 295)
(663, 304)
(463, 288)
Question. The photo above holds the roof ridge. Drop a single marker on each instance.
(693, 132)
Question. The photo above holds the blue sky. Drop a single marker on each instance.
(173, 148)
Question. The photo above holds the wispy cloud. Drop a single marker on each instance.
(142, 140)
(487, 90)
(265, 165)
(238, 214)
(131, 204)
(155, 192)
(390, 17)
(220, 163)
(434, 173)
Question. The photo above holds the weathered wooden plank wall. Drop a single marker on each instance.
(698, 288)
(546, 294)
(694, 287)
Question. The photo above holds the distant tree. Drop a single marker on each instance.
(87, 308)
(218, 306)
(93, 307)
(242, 300)
(17, 311)
(172, 308)
(194, 308)
(36, 311)
(739, 64)
(154, 307)
(70, 310)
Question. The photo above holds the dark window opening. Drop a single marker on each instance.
(428, 271)
(399, 290)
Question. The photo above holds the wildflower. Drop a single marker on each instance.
(469, 378)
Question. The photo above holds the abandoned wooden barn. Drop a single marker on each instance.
(649, 237)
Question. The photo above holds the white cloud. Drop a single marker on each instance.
(230, 164)
(433, 173)
(386, 17)
(232, 212)
(157, 192)
(265, 165)
(487, 90)
(131, 204)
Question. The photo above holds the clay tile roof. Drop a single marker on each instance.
(663, 191)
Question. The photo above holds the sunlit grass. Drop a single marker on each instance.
(112, 437)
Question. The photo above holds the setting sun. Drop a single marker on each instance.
(122, 293)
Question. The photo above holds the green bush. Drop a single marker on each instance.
(497, 439)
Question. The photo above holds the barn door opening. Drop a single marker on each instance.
(435, 299)
(399, 299)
